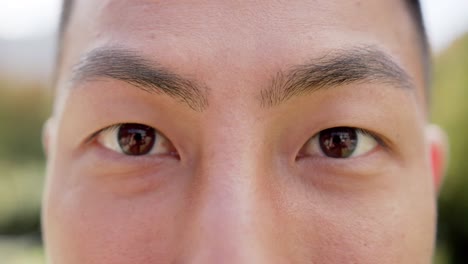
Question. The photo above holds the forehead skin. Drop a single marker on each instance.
(244, 34)
(240, 197)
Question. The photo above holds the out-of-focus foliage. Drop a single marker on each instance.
(450, 110)
(23, 109)
(22, 112)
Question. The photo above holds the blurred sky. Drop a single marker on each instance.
(445, 19)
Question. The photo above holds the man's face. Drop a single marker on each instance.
(239, 132)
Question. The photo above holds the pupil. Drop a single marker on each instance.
(136, 139)
(338, 142)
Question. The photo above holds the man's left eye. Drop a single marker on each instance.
(340, 143)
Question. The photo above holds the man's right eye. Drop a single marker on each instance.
(135, 140)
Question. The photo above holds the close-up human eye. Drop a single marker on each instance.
(340, 143)
(135, 140)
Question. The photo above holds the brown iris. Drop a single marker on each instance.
(338, 142)
(136, 139)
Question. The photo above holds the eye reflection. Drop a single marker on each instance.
(136, 139)
(338, 142)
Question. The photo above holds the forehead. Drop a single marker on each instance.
(252, 38)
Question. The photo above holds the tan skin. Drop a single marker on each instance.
(235, 178)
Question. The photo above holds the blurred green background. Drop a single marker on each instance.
(25, 106)
(450, 110)
(23, 109)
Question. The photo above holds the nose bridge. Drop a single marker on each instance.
(227, 210)
(225, 218)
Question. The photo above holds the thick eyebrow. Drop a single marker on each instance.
(336, 68)
(128, 66)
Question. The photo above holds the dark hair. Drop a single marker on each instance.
(414, 7)
(67, 6)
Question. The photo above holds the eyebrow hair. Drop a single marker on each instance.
(337, 68)
(126, 65)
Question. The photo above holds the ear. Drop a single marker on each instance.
(438, 147)
(47, 135)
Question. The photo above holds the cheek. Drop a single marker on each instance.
(86, 224)
(393, 224)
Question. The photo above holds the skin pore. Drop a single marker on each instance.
(239, 94)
